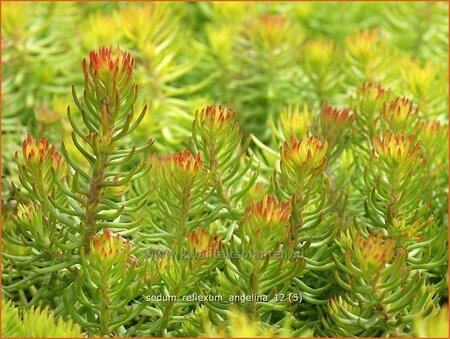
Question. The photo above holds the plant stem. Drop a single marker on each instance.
(93, 201)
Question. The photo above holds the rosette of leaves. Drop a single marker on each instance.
(87, 214)
(293, 121)
(330, 123)
(36, 222)
(217, 136)
(178, 202)
(110, 278)
(382, 293)
(65, 203)
(109, 113)
(301, 166)
(400, 116)
(165, 67)
(367, 55)
(396, 167)
(37, 66)
(335, 128)
(194, 194)
(263, 260)
(394, 202)
(367, 105)
(313, 221)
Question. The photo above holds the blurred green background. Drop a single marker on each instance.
(254, 57)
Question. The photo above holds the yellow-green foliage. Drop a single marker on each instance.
(35, 323)
(432, 328)
(288, 158)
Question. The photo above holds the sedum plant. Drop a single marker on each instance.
(68, 207)
(128, 240)
(35, 323)
(288, 178)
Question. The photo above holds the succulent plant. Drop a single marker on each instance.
(288, 177)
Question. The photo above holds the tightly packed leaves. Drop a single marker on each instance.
(282, 174)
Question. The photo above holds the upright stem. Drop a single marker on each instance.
(92, 204)
(168, 310)
(184, 215)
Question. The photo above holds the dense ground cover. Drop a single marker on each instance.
(224, 169)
